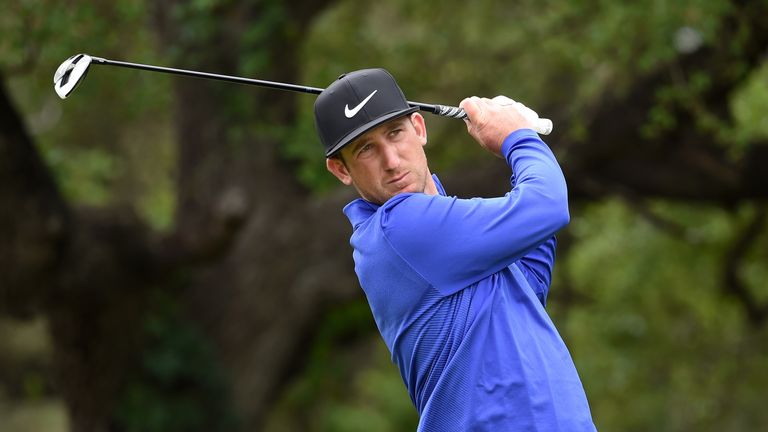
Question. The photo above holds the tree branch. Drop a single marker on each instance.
(684, 161)
(733, 285)
(688, 161)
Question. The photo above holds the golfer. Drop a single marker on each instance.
(457, 287)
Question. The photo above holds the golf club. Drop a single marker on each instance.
(74, 69)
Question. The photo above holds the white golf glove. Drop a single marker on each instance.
(540, 125)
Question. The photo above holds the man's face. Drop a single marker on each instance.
(386, 161)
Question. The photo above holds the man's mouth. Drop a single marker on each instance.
(398, 178)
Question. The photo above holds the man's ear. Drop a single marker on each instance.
(337, 167)
(420, 126)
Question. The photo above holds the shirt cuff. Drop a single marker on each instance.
(514, 138)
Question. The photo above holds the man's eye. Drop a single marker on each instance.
(364, 149)
(395, 132)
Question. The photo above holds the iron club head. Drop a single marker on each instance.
(70, 73)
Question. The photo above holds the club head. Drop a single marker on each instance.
(70, 73)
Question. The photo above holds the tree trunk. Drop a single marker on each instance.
(85, 270)
(258, 306)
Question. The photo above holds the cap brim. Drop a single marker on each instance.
(366, 127)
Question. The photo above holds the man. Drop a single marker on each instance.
(457, 287)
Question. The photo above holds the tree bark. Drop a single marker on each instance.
(84, 269)
(33, 217)
(256, 304)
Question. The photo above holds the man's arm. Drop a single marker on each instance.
(537, 265)
(453, 243)
(537, 268)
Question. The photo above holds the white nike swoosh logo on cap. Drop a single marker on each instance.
(351, 112)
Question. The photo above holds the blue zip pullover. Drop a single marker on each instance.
(457, 288)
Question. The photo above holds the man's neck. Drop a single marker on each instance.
(430, 188)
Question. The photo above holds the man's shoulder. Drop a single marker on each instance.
(409, 208)
(399, 199)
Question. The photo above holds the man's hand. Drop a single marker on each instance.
(490, 121)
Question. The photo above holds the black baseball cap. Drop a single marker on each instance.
(356, 103)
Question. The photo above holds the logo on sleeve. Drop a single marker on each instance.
(349, 113)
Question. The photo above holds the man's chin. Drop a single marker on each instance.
(411, 188)
(391, 192)
(408, 188)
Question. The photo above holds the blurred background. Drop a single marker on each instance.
(173, 256)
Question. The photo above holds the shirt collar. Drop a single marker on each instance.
(359, 210)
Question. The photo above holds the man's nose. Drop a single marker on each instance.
(391, 157)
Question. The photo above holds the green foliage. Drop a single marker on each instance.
(379, 401)
(564, 53)
(257, 37)
(180, 386)
(658, 343)
(750, 109)
(654, 330)
(86, 175)
(349, 383)
(111, 143)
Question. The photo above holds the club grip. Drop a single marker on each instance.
(449, 111)
(540, 125)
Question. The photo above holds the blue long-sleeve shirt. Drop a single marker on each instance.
(457, 288)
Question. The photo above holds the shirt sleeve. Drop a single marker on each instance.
(453, 243)
(537, 268)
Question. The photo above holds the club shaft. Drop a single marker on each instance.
(434, 109)
(213, 76)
